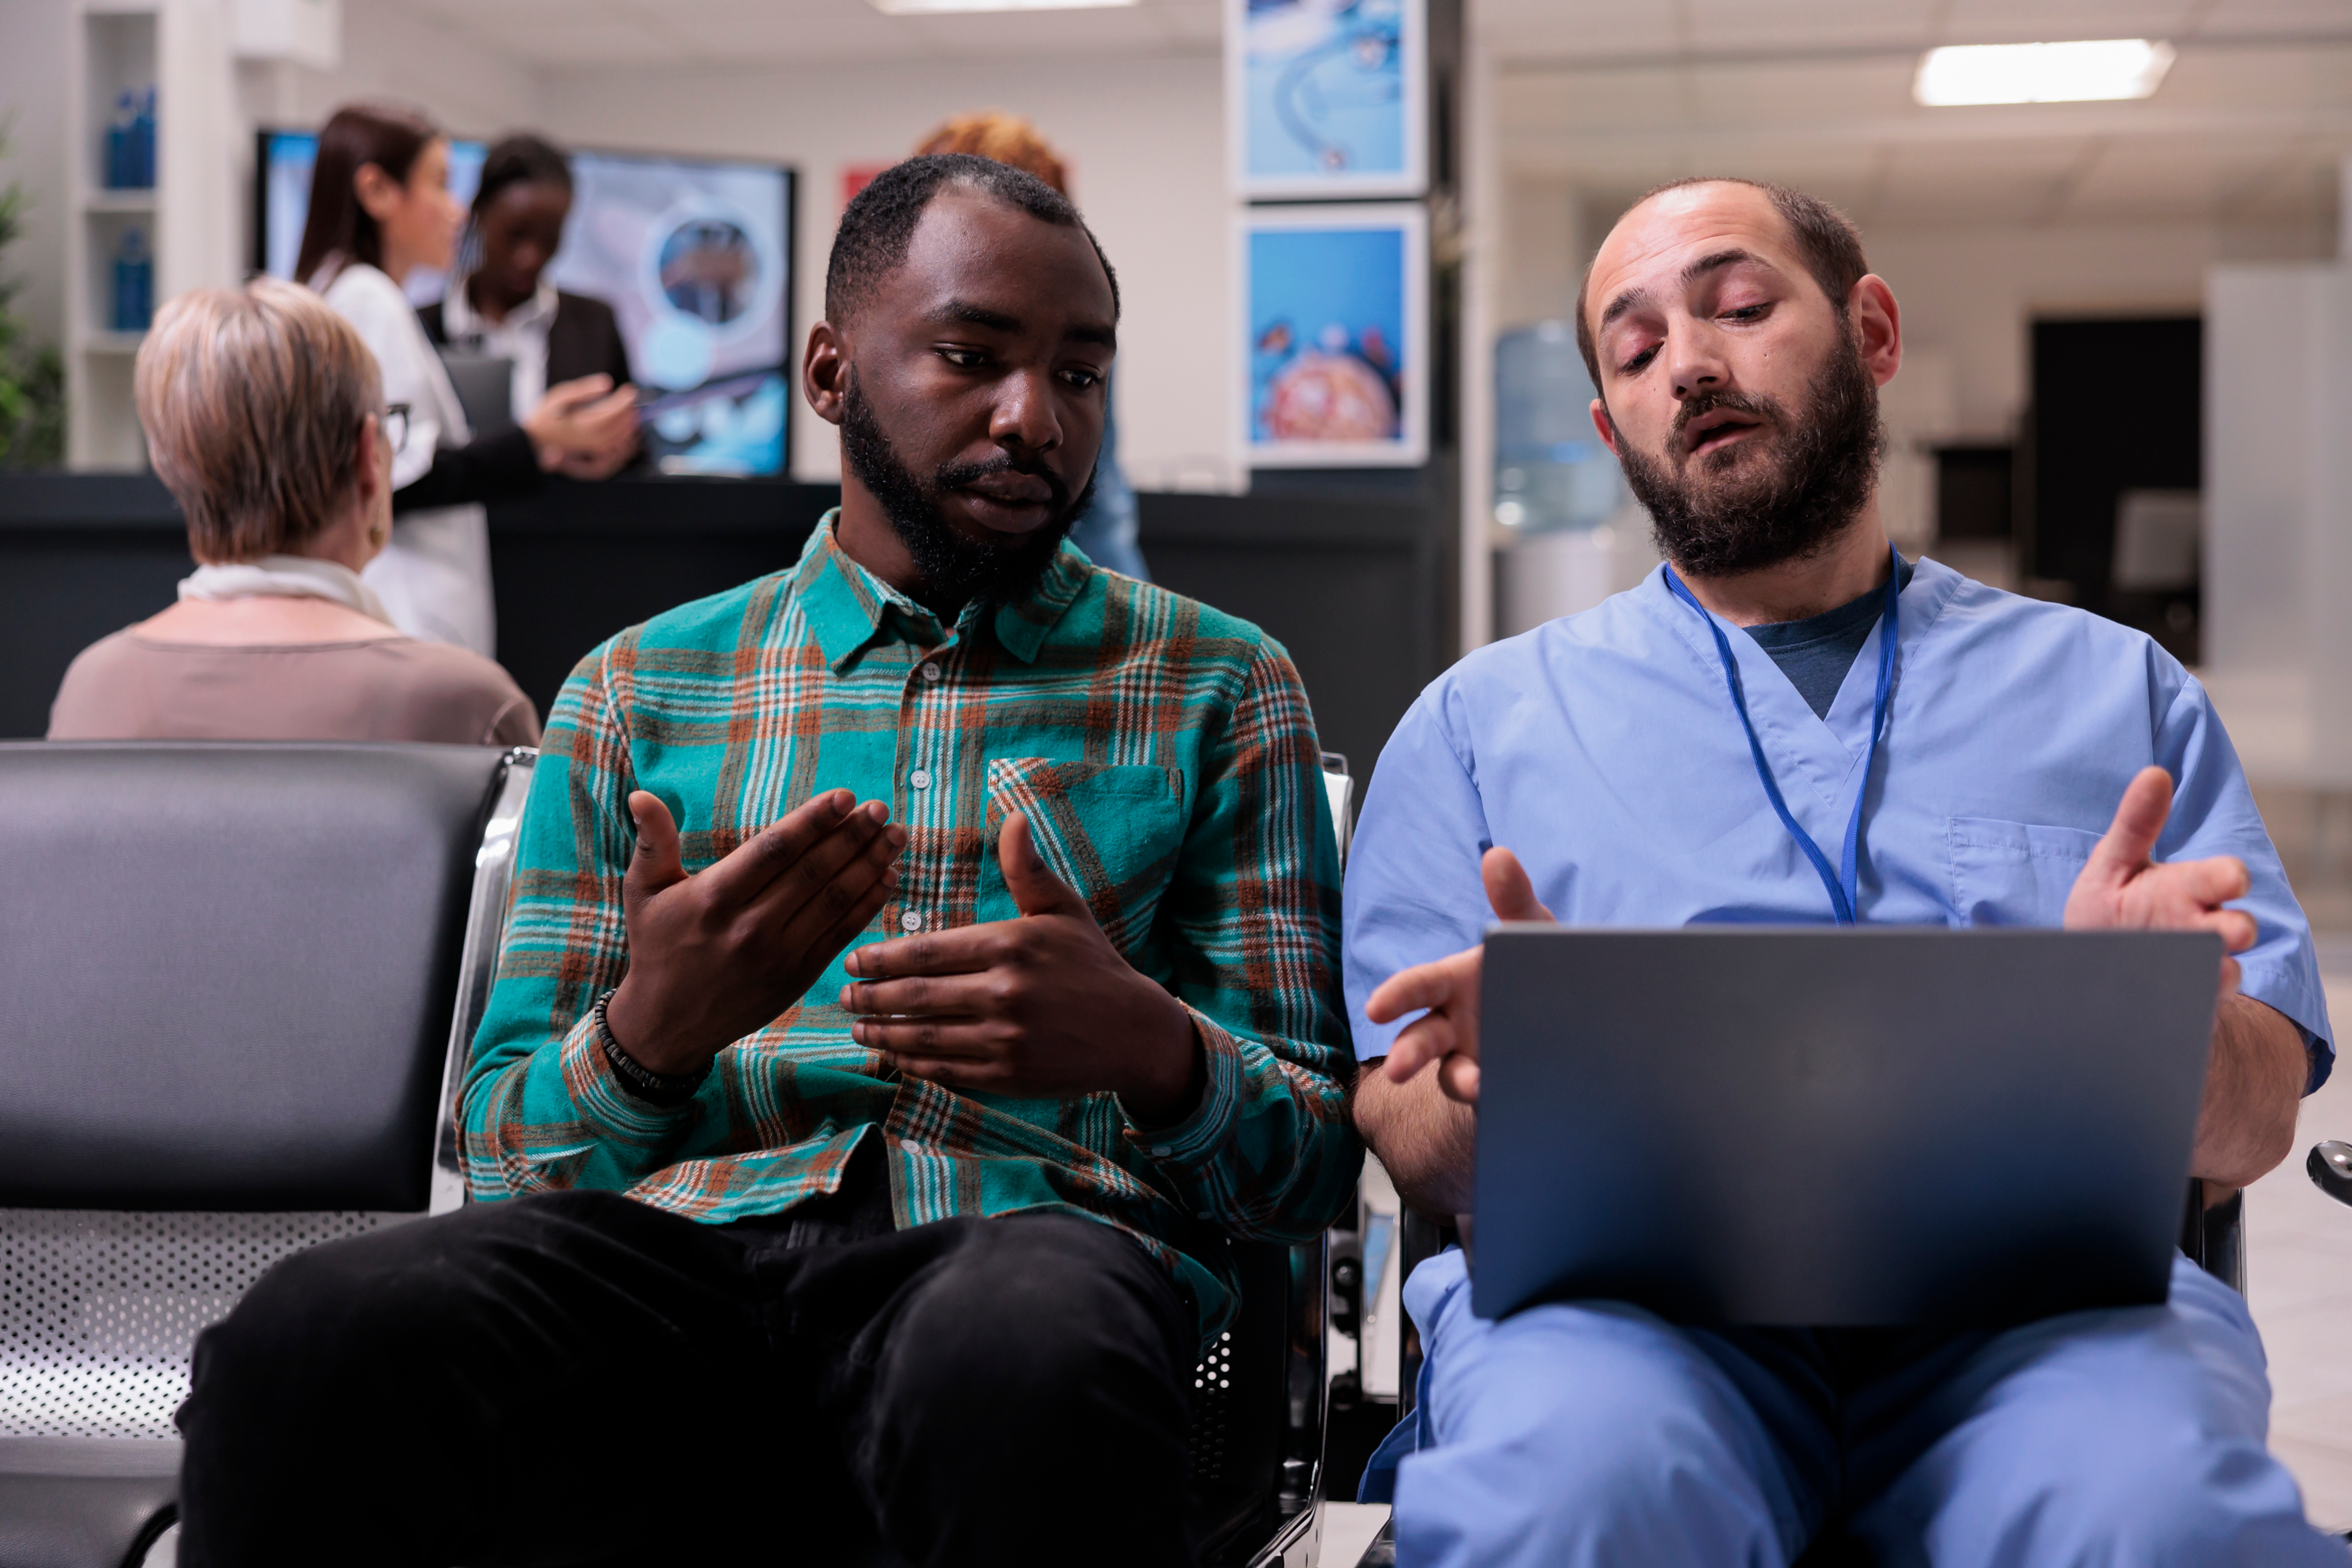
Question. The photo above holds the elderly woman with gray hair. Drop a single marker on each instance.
(265, 417)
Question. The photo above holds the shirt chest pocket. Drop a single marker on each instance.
(1112, 833)
(2014, 873)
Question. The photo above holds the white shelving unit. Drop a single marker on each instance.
(181, 48)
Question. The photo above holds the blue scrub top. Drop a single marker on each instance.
(1604, 751)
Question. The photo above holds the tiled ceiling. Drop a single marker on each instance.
(2248, 128)
(1616, 29)
(1613, 95)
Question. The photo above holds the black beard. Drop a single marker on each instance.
(955, 570)
(1820, 469)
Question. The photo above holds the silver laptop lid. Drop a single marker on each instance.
(1837, 1126)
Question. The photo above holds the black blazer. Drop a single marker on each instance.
(583, 339)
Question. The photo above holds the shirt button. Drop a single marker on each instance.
(910, 921)
(920, 778)
(931, 672)
(1162, 1151)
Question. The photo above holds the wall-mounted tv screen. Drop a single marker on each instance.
(695, 257)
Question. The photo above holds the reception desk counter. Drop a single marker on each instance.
(1357, 586)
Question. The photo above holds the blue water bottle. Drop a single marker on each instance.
(134, 283)
(117, 145)
(142, 142)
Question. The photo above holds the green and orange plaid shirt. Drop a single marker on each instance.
(1165, 757)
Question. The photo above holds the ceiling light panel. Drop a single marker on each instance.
(2079, 72)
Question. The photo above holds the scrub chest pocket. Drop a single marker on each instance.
(2014, 873)
(1111, 833)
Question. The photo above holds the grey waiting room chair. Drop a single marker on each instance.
(1259, 1398)
(239, 983)
(244, 983)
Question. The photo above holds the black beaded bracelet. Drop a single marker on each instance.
(663, 1089)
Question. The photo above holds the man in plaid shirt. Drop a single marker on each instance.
(922, 960)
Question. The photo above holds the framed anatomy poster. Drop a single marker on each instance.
(1335, 335)
(1326, 97)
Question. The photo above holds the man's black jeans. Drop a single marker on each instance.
(579, 1379)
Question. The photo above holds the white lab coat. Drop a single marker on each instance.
(434, 575)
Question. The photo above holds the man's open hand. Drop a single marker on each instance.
(2120, 887)
(1041, 1007)
(1448, 1033)
(716, 956)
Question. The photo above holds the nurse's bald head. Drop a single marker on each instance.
(1737, 342)
(1820, 238)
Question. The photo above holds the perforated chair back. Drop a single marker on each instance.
(1258, 1398)
(1256, 1439)
(237, 976)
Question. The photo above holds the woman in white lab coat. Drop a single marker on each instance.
(380, 208)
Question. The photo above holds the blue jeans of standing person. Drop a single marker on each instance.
(1583, 1435)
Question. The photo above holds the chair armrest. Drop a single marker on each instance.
(2331, 1169)
(486, 924)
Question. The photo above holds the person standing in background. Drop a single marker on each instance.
(1108, 533)
(380, 206)
(502, 304)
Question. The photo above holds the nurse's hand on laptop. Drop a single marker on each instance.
(2120, 886)
(1448, 1033)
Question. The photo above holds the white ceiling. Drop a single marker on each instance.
(576, 34)
(2247, 129)
(1603, 29)
(569, 34)
(1613, 95)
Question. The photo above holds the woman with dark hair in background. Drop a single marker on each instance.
(380, 208)
(502, 304)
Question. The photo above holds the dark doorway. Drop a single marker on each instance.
(1973, 492)
(2119, 409)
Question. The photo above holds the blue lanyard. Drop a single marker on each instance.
(1845, 900)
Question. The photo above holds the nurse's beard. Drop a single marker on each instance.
(1781, 496)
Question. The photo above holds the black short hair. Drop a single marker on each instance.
(879, 223)
(520, 160)
(1827, 243)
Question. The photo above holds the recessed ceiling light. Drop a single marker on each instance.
(949, 7)
(2042, 73)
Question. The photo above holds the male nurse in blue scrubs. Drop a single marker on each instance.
(1789, 723)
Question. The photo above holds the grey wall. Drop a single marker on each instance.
(33, 36)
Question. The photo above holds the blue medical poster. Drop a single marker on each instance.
(1335, 342)
(1326, 97)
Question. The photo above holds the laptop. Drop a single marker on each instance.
(1817, 1125)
